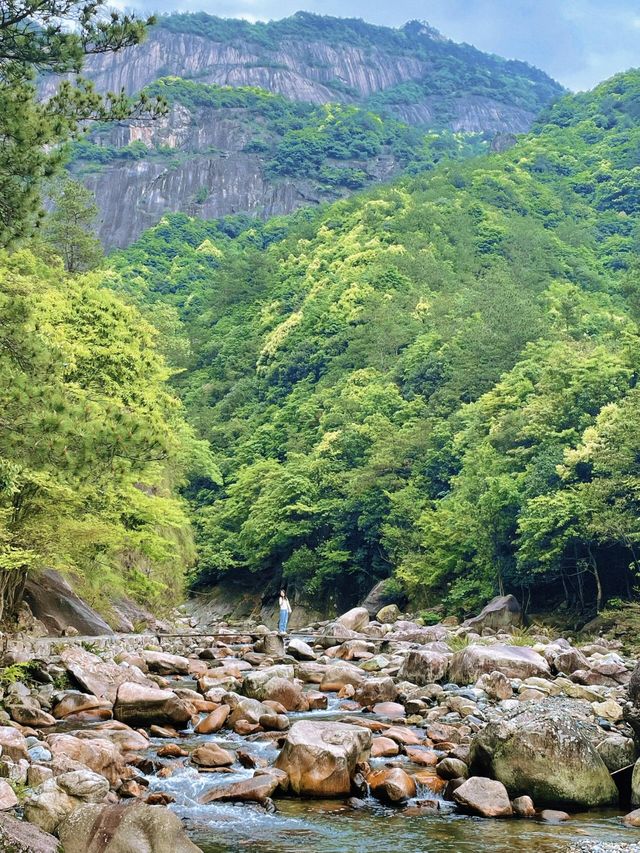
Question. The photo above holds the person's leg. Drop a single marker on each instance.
(286, 621)
(282, 623)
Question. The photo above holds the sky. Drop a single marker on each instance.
(578, 42)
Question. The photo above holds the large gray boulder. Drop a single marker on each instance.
(424, 667)
(500, 612)
(320, 758)
(542, 750)
(468, 665)
(56, 605)
(124, 829)
(355, 619)
(19, 836)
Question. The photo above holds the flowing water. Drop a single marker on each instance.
(329, 826)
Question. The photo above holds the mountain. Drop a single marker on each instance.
(206, 157)
(433, 381)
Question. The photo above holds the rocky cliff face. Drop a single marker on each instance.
(197, 164)
(413, 74)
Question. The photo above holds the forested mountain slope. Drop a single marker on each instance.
(434, 380)
(220, 151)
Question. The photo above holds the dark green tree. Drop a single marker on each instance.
(69, 228)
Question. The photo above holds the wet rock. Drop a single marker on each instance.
(391, 785)
(513, 661)
(452, 768)
(171, 750)
(553, 816)
(523, 807)
(355, 619)
(633, 818)
(391, 710)
(212, 755)
(424, 667)
(31, 715)
(544, 751)
(402, 735)
(214, 721)
(135, 826)
(257, 790)
(320, 758)
(384, 747)
(141, 705)
(421, 755)
(484, 797)
(18, 836)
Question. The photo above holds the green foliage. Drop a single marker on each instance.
(92, 445)
(69, 226)
(435, 380)
(35, 37)
(17, 672)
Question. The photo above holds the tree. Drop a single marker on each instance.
(52, 36)
(69, 227)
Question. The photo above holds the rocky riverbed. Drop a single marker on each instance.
(472, 734)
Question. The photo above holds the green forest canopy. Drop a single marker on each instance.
(435, 380)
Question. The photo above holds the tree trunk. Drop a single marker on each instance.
(12, 584)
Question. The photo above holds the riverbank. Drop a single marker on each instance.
(477, 734)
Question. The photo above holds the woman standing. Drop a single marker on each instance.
(285, 610)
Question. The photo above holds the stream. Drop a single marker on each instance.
(331, 826)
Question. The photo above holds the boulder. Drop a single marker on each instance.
(256, 790)
(542, 750)
(48, 805)
(632, 819)
(101, 756)
(496, 685)
(212, 755)
(452, 768)
(500, 612)
(424, 667)
(12, 743)
(320, 758)
(337, 675)
(617, 751)
(635, 784)
(523, 807)
(214, 721)
(84, 784)
(468, 665)
(165, 664)
(391, 785)
(300, 650)
(8, 799)
(125, 828)
(97, 677)
(355, 619)
(384, 747)
(31, 714)
(388, 614)
(379, 596)
(82, 707)
(141, 705)
(56, 605)
(19, 836)
(376, 690)
(484, 797)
